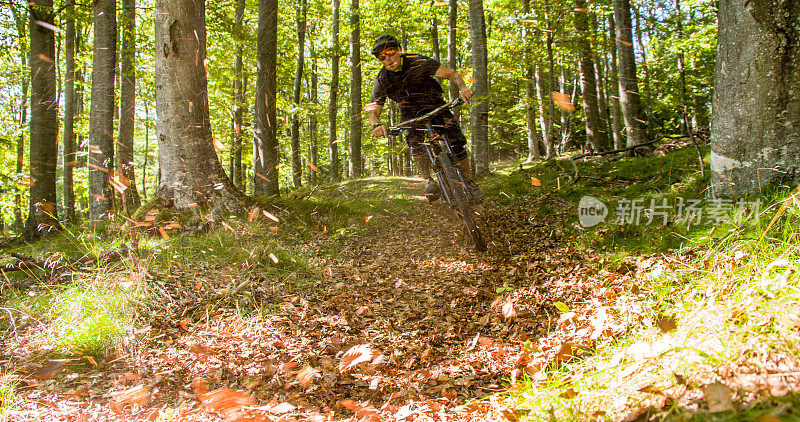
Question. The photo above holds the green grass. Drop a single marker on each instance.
(734, 297)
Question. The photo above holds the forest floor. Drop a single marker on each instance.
(400, 321)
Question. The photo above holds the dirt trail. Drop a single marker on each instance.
(408, 324)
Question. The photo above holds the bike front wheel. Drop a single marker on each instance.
(461, 204)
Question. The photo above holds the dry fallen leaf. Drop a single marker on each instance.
(718, 397)
(137, 395)
(355, 355)
(666, 324)
(306, 375)
(508, 309)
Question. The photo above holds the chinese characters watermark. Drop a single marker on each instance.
(689, 212)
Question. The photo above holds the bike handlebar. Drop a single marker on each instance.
(394, 130)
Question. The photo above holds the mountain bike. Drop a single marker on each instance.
(444, 165)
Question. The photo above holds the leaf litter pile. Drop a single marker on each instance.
(408, 323)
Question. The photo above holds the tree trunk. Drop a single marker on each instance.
(43, 155)
(334, 95)
(647, 108)
(23, 34)
(452, 51)
(191, 173)
(127, 106)
(238, 102)
(479, 115)
(530, 88)
(356, 166)
(146, 148)
(595, 128)
(313, 147)
(297, 165)
(628, 81)
(683, 106)
(755, 130)
(101, 111)
(616, 111)
(265, 143)
(69, 116)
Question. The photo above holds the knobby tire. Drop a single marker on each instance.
(462, 205)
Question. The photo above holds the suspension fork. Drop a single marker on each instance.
(456, 164)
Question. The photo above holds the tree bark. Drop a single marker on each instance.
(69, 116)
(127, 106)
(238, 101)
(101, 112)
(647, 108)
(530, 88)
(334, 95)
(635, 124)
(479, 115)
(297, 165)
(683, 106)
(191, 176)
(595, 129)
(755, 130)
(313, 147)
(265, 143)
(43, 157)
(23, 30)
(452, 50)
(356, 166)
(616, 110)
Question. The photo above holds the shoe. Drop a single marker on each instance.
(474, 192)
(432, 190)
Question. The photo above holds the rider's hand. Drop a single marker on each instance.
(380, 131)
(466, 94)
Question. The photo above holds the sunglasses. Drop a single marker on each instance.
(386, 53)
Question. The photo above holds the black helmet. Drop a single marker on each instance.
(384, 41)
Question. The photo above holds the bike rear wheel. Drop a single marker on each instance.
(460, 203)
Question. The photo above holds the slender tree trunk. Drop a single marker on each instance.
(334, 95)
(755, 128)
(23, 31)
(479, 115)
(127, 102)
(545, 125)
(297, 165)
(313, 147)
(356, 166)
(238, 101)
(69, 117)
(635, 124)
(683, 104)
(265, 145)
(530, 88)
(43, 155)
(452, 50)
(646, 95)
(595, 128)
(616, 111)
(602, 107)
(191, 175)
(101, 112)
(146, 148)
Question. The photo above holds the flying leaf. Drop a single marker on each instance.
(270, 216)
(228, 402)
(535, 182)
(354, 356)
(273, 258)
(312, 166)
(227, 226)
(629, 44)
(219, 146)
(562, 101)
(253, 214)
(367, 218)
(561, 306)
(163, 233)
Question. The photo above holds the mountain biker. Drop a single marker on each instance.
(408, 79)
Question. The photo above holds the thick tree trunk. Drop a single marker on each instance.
(265, 143)
(356, 166)
(43, 155)
(628, 81)
(595, 128)
(101, 111)
(190, 171)
(479, 115)
(616, 110)
(297, 165)
(647, 108)
(755, 130)
(127, 106)
(334, 95)
(69, 117)
(452, 50)
(238, 102)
